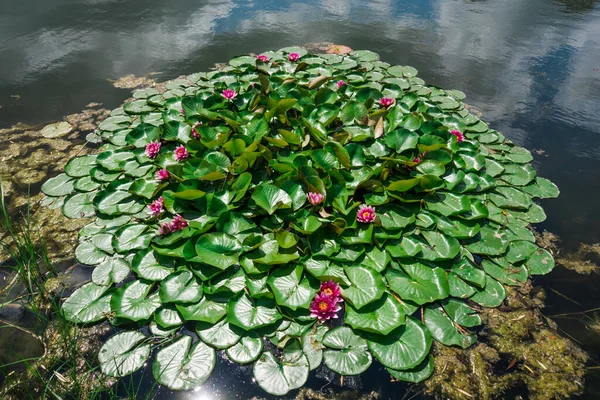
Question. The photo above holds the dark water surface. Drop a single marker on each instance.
(532, 67)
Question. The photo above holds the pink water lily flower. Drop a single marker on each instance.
(262, 57)
(324, 307)
(315, 198)
(386, 101)
(419, 158)
(162, 175)
(229, 94)
(339, 84)
(178, 223)
(182, 112)
(181, 153)
(156, 207)
(331, 289)
(152, 149)
(195, 133)
(365, 214)
(293, 57)
(459, 136)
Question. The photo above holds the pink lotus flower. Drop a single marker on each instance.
(182, 112)
(331, 289)
(459, 136)
(386, 101)
(339, 84)
(324, 307)
(262, 57)
(195, 133)
(366, 214)
(229, 94)
(152, 149)
(162, 175)
(293, 57)
(181, 153)
(156, 208)
(178, 223)
(419, 158)
(315, 198)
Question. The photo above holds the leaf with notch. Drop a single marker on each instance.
(290, 289)
(380, 317)
(270, 198)
(180, 287)
(366, 286)
(418, 282)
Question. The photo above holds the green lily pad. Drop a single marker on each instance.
(78, 167)
(418, 282)
(290, 289)
(346, 353)
(206, 310)
(133, 301)
(492, 295)
(246, 350)
(113, 270)
(218, 249)
(278, 378)
(180, 367)
(366, 286)
(416, 374)
(123, 354)
(90, 303)
(145, 264)
(60, 185)
(221, 335)
(381, 316)
(57, 130)
(446, 331)
(181, 287)
(249, 313)
(270, 198)
(404, 348)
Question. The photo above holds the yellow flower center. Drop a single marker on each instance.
(323, 306)
(328, 291)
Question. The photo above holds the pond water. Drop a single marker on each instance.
(531, 67)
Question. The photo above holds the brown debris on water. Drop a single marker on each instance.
(584, 260)
(317, 47)
(329, 393)
(473, 110)
(27, 160)
(594, 324)
(88, 119)
(584, 267)
(338, 49)
(547, 240)
(132, 82)
(517, 348)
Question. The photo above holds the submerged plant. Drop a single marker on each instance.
(289, 183)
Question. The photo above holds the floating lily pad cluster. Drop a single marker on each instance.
(221, 206)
